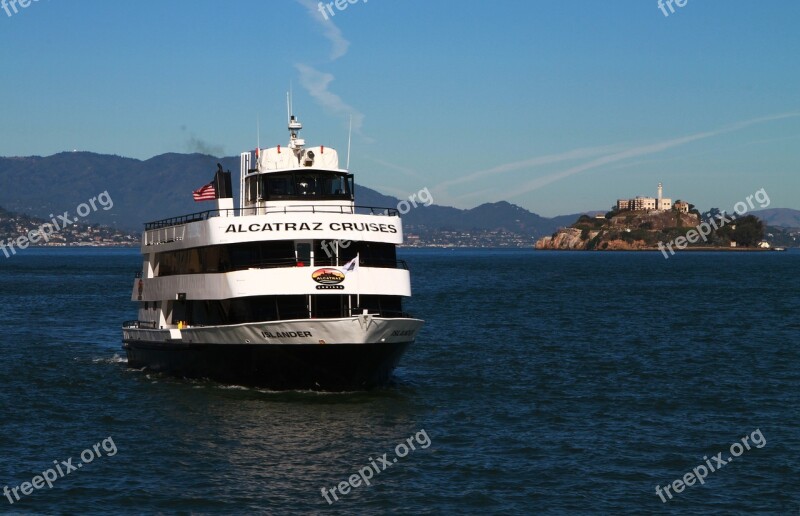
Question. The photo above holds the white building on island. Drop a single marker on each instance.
(642, 203)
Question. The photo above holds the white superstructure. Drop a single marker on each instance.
(297, 263)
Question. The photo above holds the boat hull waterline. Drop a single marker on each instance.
(281, 355)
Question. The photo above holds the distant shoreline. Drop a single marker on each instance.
(86, 246)
(521, 248)
(657, 250)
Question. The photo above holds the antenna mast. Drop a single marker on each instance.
(349, 139)
(289, 105)
(294, 125)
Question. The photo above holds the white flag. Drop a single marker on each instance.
(351, 266)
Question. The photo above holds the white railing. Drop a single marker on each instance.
(164, 235)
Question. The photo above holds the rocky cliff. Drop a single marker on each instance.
(565, 238)
(570, 239)
(621, 231)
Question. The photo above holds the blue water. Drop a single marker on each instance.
(552, 383)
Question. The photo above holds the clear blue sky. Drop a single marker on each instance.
(558, 106)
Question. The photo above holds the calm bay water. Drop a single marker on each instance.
(554, 383)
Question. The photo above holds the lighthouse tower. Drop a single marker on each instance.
(663, 203)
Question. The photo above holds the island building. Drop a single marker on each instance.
(642, 203)
(682, 206)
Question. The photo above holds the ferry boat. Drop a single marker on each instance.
(296, 288)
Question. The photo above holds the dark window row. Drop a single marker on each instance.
(274, 308)
(278, 253)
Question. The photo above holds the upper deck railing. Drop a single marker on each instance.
(296, 208)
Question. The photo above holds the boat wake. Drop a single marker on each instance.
(116, 359)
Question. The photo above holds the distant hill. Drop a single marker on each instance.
(161, 187)
(779, 217)
(141, 190)
(499, 215)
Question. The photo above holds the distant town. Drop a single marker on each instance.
(626, 212)
(14, 226)
(421, 237)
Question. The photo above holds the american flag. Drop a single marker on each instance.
(205, 193)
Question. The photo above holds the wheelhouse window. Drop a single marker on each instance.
(301, 185)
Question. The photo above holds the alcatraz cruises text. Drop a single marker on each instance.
(312, 226)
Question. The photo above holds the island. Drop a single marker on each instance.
(658, 224)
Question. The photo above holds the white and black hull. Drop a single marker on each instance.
(354, 353)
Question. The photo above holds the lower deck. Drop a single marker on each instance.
(351, 353)
(360, 329)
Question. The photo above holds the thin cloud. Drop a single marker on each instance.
(397, 168)
(316, 84)
(389, 191)
(773, 140)
(642, 150)
(339, 44)
(529, 163)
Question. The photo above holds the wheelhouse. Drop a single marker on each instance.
(300, 185)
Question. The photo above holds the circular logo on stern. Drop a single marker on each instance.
(327, 276)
